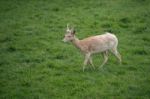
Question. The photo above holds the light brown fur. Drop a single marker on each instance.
(94, 44)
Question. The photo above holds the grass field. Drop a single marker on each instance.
(36, 64)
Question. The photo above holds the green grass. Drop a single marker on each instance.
(36, 64)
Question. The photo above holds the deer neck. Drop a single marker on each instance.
(76, 42)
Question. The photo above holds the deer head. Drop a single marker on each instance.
(70, 34)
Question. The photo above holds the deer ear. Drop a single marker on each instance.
(73, 31)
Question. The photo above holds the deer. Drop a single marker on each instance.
(103, 43)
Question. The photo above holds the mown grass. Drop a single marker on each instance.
(36, 64)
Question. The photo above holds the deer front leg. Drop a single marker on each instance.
(91, 62)
(86, 60)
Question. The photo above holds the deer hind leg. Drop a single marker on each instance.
(117, 54)
(105, 55)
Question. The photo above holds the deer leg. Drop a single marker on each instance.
(87, 57)
(105, 55)
(91, 62)
(117, 54)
